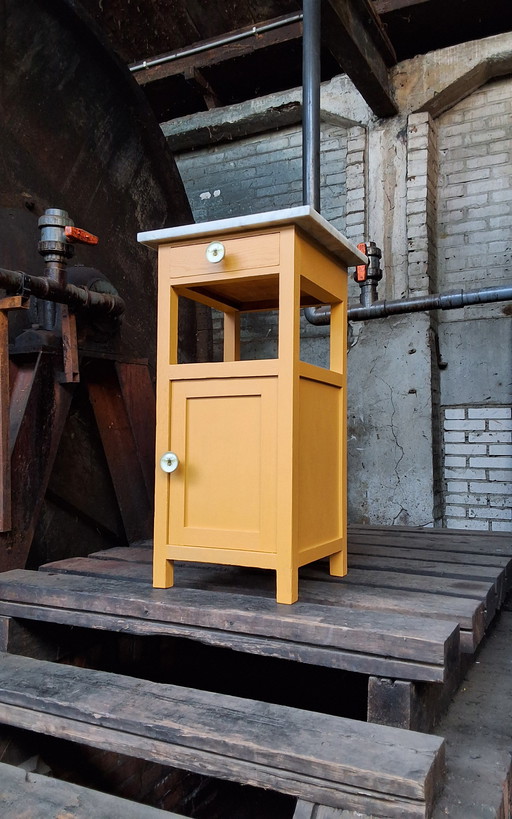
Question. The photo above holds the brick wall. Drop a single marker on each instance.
(478, 468)
(422, 176)
(475, 189)
(264, 173)
(474, 243)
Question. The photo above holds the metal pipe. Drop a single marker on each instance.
(221, 41)
(311, 104)
(440, 301)
(51, 290)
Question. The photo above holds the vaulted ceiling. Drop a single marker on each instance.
(362, 38)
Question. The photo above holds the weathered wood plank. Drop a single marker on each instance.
(409, 582)
(426, 568)
(407, 704)
(32, 796)
(451, 539)
(334, 761)
(378, 548)
(307, 810)
(468, 612)
(392, 702)
(336, 658)
(495, 576)
(386, 634)
(434, 544)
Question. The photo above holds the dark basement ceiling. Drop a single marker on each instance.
(143, 29)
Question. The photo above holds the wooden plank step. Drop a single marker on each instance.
(357, 640)
(431, 568)
(399, 550)
(469, 613)
(469, 588)
(477, 590)
(374, 769)
(32, 796)
(448, 539)
(434, 544)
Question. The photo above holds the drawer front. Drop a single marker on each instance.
(242, 255)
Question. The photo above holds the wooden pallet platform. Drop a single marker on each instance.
(412, 601)
(331, 761)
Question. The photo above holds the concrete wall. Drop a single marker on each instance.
(432, 186)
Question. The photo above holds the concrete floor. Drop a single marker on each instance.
(478, 733)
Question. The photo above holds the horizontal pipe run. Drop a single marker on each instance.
(440, 301)
(18, 283)
(221, 41)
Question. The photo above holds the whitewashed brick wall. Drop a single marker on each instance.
(263, 173)
(478, 468)
(475, 190)
(422, 175)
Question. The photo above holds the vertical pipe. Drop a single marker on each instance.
(311, 104)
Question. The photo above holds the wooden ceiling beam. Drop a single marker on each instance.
(210, 53)
(354, 35)
(385, 6)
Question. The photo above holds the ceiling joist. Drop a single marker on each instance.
(385, 6)
(207, 53)
(355, 37)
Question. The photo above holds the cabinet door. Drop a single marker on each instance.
(222, 496)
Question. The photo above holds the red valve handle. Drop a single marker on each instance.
(74, 234)
(361, 269)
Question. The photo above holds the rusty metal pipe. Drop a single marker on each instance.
(16, 282)
(440, 301)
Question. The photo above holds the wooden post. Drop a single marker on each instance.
(123, 441)
(5, 456)
(6, 304)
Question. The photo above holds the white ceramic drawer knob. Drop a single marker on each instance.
(169, 461)
(215, 252)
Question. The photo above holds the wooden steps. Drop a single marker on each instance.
(444, 587)
(470, 613)
(411, 602)
(341, 763)
(391, 645)
(32, 796)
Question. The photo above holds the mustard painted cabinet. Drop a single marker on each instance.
(251, 454)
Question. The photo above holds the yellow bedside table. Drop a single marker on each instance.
(251, 455)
